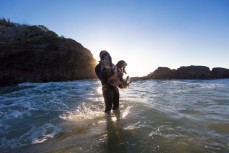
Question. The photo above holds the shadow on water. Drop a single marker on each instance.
(117, 138)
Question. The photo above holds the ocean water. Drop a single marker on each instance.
(155, 116)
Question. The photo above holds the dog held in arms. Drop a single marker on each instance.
(117, 77)
(114, 72)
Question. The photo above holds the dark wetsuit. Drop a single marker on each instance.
(110, 92)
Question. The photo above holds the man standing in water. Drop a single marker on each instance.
(104, 70)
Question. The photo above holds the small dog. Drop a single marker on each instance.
(117, 78)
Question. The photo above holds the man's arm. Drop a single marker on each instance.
(100, 74)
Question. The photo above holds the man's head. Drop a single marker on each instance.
(106, 63)
(103, 53)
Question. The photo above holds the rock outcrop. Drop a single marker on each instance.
(189, 72)
(36, 54)
(220, 72)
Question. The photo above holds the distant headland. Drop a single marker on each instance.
(188, 72)
(33, 53)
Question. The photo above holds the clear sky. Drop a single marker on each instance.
(145, 33)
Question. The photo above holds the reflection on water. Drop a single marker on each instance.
(116, 137)
(155, 116)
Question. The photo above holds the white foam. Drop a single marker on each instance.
(126, 112)
(133, 126)
(208, 84)
(156, 132)
(11, 114)
(43, 133)
(33, 136)
(83, 112)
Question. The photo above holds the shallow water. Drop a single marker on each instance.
(155, 116)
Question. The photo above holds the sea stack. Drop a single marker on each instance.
(189, 72)
(37, 54)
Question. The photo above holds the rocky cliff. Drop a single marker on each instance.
(36, 54)
(189, 72)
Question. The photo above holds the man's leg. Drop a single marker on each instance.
(107, 94)
(115, 98)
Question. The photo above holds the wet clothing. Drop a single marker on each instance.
(110, 91)
(111, 97)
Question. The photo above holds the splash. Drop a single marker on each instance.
(126, 112)
(83, 111)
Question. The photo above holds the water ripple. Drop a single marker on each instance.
(155, 116)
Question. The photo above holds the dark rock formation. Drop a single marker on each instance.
(162, 73)
(220, 72)
(189, 72)
(36, 54)
(193, 72)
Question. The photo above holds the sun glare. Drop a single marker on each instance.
(134, 68)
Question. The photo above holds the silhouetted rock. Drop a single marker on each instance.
(36, 54)
(220, 72)
(188, 72)
(193, 72)
(161, 73)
